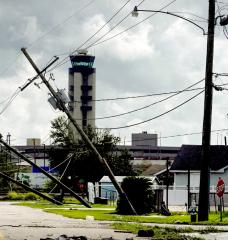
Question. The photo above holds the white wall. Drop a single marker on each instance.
(181, 179)
(177, 195)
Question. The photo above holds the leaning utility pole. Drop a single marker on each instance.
(59, 183)
(204, 190)
(8, 178)
(63, 108)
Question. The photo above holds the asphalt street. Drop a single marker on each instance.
(20, 223)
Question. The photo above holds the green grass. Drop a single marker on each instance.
(74, 210)
(159, 232)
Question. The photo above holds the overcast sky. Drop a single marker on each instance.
(161, 54)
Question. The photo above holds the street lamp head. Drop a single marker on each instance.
(135, 12)
(223, 20)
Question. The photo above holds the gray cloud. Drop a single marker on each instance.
(162, 54)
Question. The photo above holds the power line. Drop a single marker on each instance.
(102, 27)
(194, 133)
(18, 90)
(69, 157)
(10, 101)
(137, 109)
(194, 15)
(141, 96)
(147, 106)
(65, 61)
(179, 135)
(11, 64)
(150, 94)
(160, 115)
(116, 25)
(42, 36)
(97, 43)
(107, 39)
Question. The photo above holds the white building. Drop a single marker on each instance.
(186, 170)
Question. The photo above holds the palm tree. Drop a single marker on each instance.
(139, 192)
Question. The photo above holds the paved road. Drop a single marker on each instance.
(20, 223)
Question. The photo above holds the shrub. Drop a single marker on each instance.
(49, 185)
(139, 192)
(15, 196)
(30, 196)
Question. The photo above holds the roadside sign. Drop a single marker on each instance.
(220, 187)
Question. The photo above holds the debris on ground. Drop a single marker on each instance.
(65, 237)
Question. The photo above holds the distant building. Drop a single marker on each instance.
(36, 153)
(82, 87)
(147, 158)
(33, 141)
(144, 139)
(107, 190)
(144, 149)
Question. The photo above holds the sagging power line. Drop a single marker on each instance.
(158, 116)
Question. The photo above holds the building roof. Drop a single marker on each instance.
(189, 157)
(153, 169)
(119, 179)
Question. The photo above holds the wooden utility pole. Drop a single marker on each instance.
(60, 184)
(206, 137)
(30, 189)
(167, 182)
(189, 193)
(63, 108)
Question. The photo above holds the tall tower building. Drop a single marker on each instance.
(82, 87)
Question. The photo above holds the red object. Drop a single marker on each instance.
(220, 188)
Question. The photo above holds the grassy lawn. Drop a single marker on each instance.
(164, 232)
(106, 212)
(133, 224)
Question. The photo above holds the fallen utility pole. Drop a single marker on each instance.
(60, 184)
(63, 108)
(30, 189)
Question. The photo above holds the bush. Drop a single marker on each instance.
(21, 196)
(30, 196)
(139, 192)
(15, 196)
(49, 185)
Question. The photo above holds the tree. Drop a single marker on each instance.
(84, 164)
(8, 168)
(140, 193)
(61, 133)
(121, 165)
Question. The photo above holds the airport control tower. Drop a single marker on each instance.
(82, 86)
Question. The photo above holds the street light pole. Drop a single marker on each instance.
(206, 137)
(204, 190)
(136, 10)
